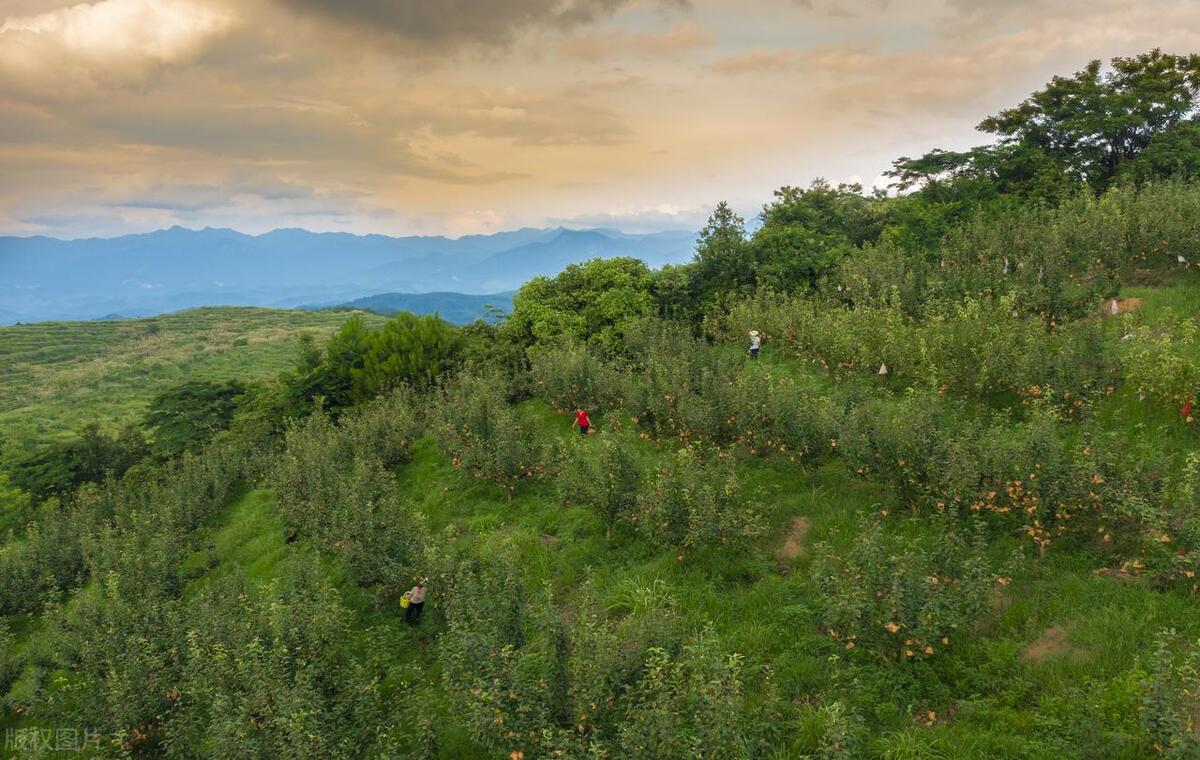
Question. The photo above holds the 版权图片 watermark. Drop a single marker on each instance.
(39, 741)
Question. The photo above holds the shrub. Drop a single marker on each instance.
(1025, 470)
(695, 502)
(485, 664)
(899, 441)
(87, 533)
(121, 643)
(571, 376)
(905, 602)
(154, 515)
(1154, 526)
(1166, 366)
(385, 428)
(1061, 261)
(344, 498)
(678, 385)
(268, 673)
(978, 347)
(484, 436)
(235, 670)
(690, 706)
(1160, 223)
(532, 680)
(603, 476)
(10, 664)
(777, 413)
(1172, 698)
(47, 556)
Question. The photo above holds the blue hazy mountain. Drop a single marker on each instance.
(137, 275)
(455, 308)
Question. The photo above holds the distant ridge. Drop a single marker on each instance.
(455, 308)
(177, 268)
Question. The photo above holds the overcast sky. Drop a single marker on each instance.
(466, 116)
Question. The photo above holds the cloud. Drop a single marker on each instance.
(177, 198)
(275, 189)
(756, 62)
(381, 137)
(133, 114)
(602, 44)
(14, 8)
(247, 200)
(455, 22)
(110, 41)
(837, 9)
(525, 118)
(203, 197)
(992, 7)
(66, 221)
(960, 75)
(644, 219)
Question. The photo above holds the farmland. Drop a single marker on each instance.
(57, 376)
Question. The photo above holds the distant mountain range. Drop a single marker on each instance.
(140, 275)
(455, 308)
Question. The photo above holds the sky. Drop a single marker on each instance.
(473, 116)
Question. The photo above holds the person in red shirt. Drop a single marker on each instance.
(581, 419)
(1186, 410)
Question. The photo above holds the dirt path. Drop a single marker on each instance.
(793, 545)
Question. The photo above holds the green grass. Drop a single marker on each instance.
(1180, 298)
(57, 376)
(248, 538)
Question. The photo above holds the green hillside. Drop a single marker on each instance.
(57, 376)
(887, 478)
(1056, 662)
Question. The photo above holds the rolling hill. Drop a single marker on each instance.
(57, 376)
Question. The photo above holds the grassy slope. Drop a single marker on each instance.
(57, 376)
(999, 703)
(1003, 704)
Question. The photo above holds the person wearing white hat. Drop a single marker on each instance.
(755, 343)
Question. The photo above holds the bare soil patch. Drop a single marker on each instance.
(793, 545)
(1114, 306)
(1052, 643)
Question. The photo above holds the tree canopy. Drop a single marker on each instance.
(592, 302)
(188, 415)
(1135, 118)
